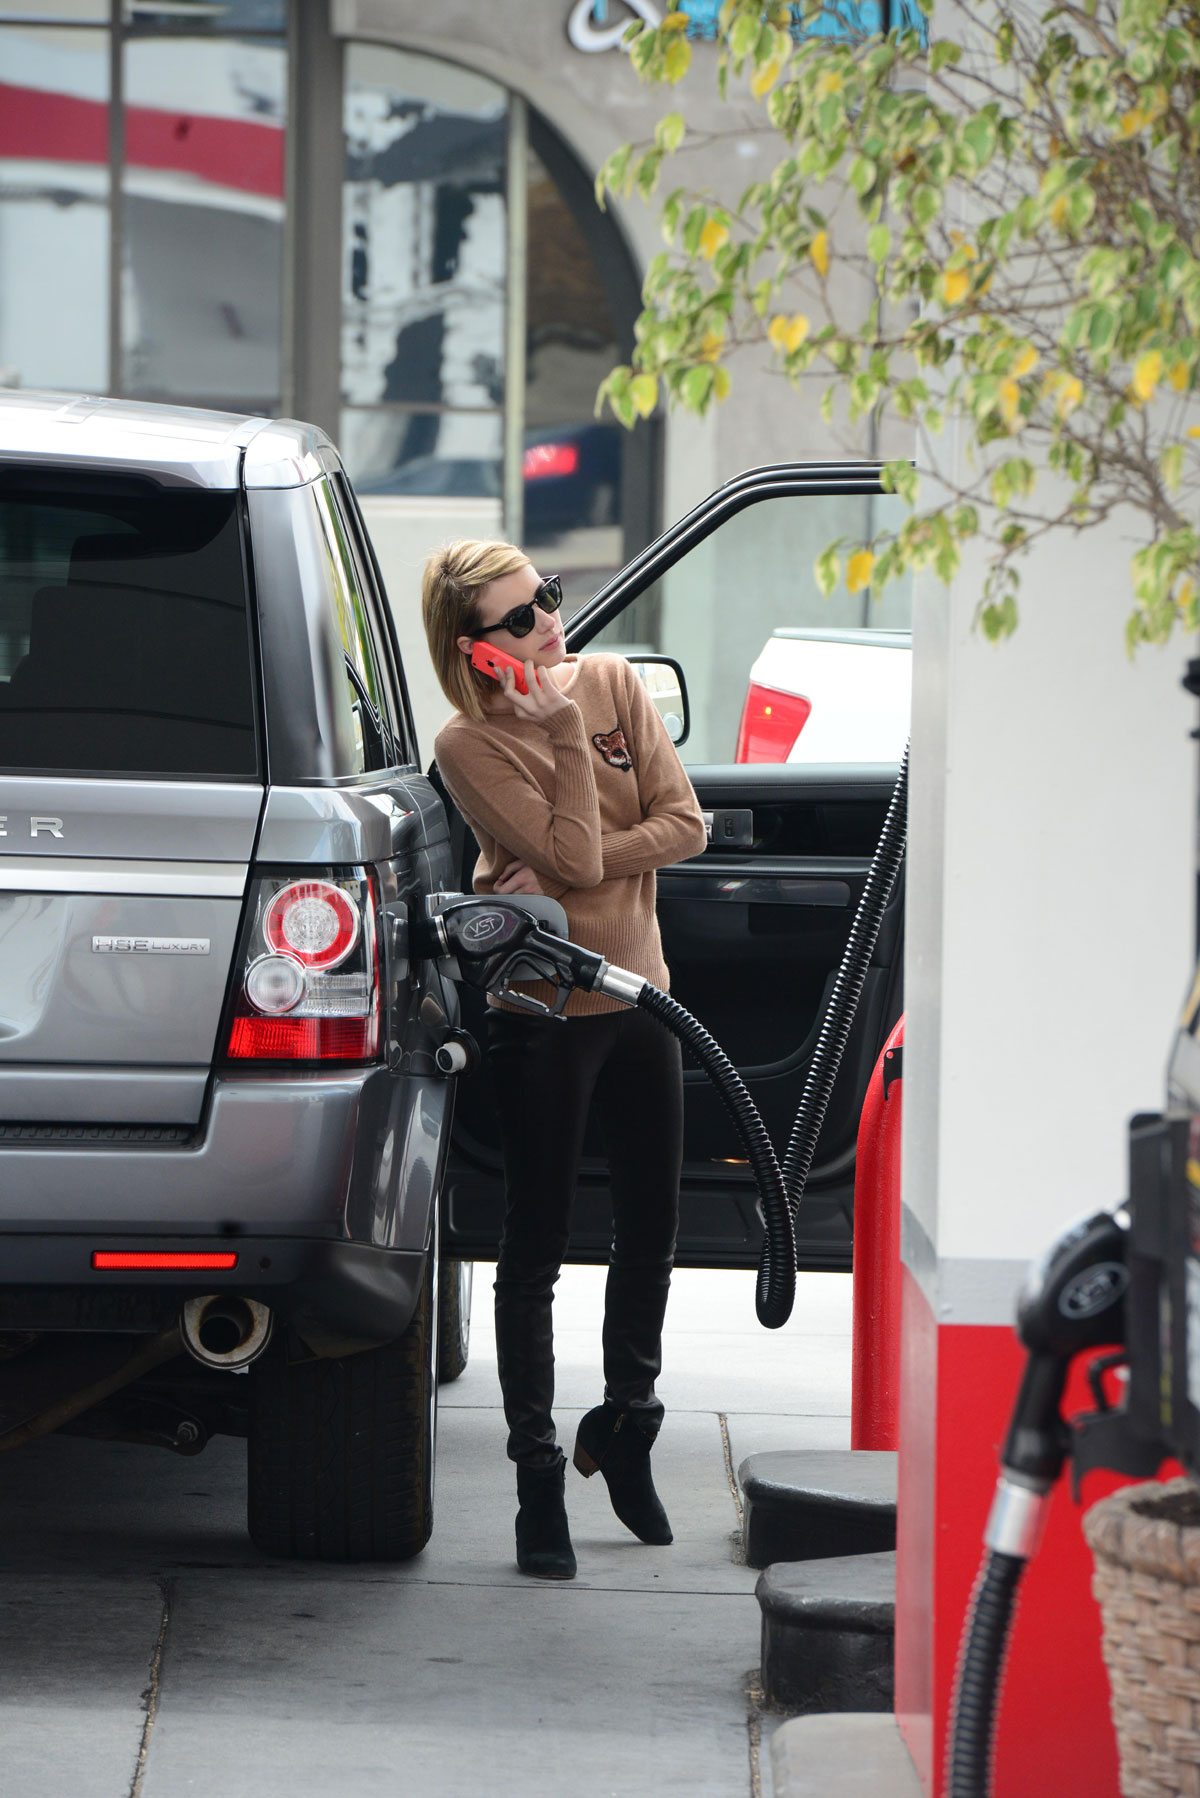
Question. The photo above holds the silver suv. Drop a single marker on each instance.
(225, 1125)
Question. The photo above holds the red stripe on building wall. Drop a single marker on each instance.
(235, 153)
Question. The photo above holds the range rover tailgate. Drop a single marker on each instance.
(119, 910)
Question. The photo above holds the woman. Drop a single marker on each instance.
(574, 790)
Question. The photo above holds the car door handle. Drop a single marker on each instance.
(730, 829)
(751, 889)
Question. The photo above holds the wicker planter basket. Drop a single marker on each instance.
(1146, 1544)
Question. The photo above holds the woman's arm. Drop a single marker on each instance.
(560, 841)
(672, 827)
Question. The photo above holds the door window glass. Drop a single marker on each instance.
(372, 603)
(777, 672)
(54, 208)
(350, 612)
(124, 645)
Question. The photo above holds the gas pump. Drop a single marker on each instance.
(1128, 1281)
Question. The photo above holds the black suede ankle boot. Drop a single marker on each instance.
(613, 1442)
(543, 1536)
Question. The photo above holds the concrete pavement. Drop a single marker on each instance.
(149, 1651)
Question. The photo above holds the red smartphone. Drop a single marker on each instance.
(495, 661)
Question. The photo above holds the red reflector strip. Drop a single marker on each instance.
(303, 1039)
(112, 1259)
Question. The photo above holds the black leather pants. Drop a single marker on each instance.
(546, 1074)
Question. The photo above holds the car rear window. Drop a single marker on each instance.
(124, 634)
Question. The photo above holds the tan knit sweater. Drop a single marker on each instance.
(593, 802)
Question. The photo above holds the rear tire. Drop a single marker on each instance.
(341, 1453)
(454, 1318)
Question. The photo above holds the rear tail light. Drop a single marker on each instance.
(289, 1003)
(771, 722)
(544, 461)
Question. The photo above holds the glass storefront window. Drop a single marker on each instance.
(54, 208)
(423, 268)
(573, 463)
(191, 18)
(203, 206)
(60, 12)
(433, 454)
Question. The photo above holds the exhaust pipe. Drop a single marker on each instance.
(225, 1331)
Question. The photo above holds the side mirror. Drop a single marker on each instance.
(663, 679)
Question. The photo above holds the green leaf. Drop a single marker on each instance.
(828, 570)
(696, 388)
(1171, 464)
(979, 135)
(744, 36)
(643, 392)
(677, 59)
(1102, 328)
(668, 133)
(943, 53)
(879, 242)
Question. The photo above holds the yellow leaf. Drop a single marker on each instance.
(765, 78)
(818, 249)
(954, 285)
(1178, 376)
(720, 382)
(711, 346)
(1026, 362)
(1131, 121)
(1185, 593)
(787, 334)
(1070, 395)
(829, 82)
(643, 391)
(1010, 399)
(858, 570)
(712, 237)
(677, 59)
(1058, 212)
(796, 332)
(675, 21)
(1147, 373)
(1193, 431)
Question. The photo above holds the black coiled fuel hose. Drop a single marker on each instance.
(776, 1289)
(978, 1678)
(839, 1013)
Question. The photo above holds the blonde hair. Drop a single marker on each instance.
(453, 579)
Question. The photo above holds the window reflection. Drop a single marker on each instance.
(432, 454)
(54, 214)
(191, 17)
(62, 12)
(203, 217)
(423, 295)
(572, 462)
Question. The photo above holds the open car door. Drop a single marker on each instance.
(754, 928)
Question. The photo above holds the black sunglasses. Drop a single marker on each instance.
(520, 622)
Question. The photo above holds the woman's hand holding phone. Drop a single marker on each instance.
(543, 699)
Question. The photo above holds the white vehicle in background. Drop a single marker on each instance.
(828, 696)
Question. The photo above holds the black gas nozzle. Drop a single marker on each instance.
(491, 942)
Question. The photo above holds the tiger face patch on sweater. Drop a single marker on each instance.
(614, 749)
